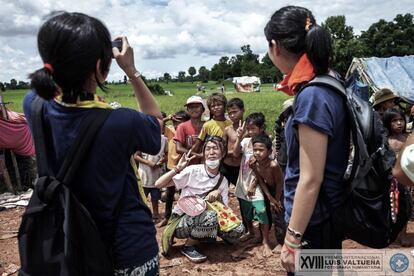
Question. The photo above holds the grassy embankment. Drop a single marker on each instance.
(267, 101)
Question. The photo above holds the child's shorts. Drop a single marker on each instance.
(154, 192)
(254, 210)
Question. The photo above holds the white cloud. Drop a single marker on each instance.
(170, 36)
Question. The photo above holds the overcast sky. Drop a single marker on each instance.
(171, 36)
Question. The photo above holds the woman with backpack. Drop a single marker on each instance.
(77, 53)
(317, 133)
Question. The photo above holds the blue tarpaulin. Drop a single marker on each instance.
(395, 73)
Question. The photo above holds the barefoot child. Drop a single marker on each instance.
(269, 176)
(150, 169)
(252, 203)
(231, 163)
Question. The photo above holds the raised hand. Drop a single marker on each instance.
(185, 160)
(241, 129)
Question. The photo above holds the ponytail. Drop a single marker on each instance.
(295, 29)
(43, 83)
(319, 49)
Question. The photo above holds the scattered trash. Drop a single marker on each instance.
(9, 200)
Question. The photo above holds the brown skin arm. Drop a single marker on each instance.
(277, 179)
(313, 147)
(180, 148)
(196, 149)
(397, 171)
(137, 157)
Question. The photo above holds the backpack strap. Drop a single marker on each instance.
(89, 126)
(38, 131)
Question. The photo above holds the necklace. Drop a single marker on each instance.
(209, 174)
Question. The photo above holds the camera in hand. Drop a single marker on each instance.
(118, 44)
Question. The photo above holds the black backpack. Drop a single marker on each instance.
(365, 214)
(57, 235)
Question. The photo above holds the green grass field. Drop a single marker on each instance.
(266, 101)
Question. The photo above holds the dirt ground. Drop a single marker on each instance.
(220, 260)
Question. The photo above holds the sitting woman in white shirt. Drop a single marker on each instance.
(203, 181)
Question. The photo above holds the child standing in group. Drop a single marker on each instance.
(231, 163)
(252, 202)
(173, 158)
(187, 132)
(216, 103)
(395, 122)
(269, 176)
(150, 168)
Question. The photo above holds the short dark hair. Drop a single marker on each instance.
(263, 139)
(287, 27)
(235, 102)
(72, 43)
(256, 118)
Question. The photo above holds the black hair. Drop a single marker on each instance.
(71, 43)
(163, 114)
(288, 27)
(389, 115)
(182, 115)
(263, 139)
(256, 118)
(235, 102)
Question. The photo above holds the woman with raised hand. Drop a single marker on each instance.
(317, 134)
(198, 183)
(77, 53)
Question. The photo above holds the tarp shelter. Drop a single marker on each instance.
(247, 84)
(395, 73)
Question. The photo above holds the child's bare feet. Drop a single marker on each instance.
(267, 252)
(277, 249)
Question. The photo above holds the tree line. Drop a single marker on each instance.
(381, 39)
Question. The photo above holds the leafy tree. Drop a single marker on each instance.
(249, 62)
(192, 72)
(394, 38)
(13, 84)
(167, 77)
(203, 74)
(345, 44)
(181, 76)
(222, 69)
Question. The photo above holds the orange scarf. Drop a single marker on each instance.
(302, 72)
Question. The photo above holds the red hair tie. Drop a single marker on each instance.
(48, 67)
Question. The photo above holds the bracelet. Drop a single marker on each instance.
(291, 250)
(295, 234)
(136, 75)
(292, 245)
(177, 171)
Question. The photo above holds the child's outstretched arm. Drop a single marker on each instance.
(240, 133)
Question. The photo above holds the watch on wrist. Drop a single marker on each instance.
(295, 234)
(136, 75)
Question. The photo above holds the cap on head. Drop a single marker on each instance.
(383, 95)
(194, 99)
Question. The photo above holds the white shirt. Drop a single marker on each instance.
(194, 180)
(246, 174)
